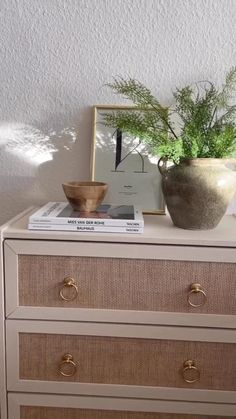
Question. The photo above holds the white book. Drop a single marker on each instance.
(61, 213)
(91, 228)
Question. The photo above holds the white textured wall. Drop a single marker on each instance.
(55, 57)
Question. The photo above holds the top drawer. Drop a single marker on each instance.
(114, 277)
(126, 284)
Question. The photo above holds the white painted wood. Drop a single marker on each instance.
(14, 327)
(122, 316)
(14, 403)
(141, 405)
(160, 240)
(115, 390)
(11, 282)
(128, 251)
(17, 219)
(158, 229)
(3, 396)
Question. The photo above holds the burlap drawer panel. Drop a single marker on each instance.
(130, 361)
(127, 283)
(62, 413)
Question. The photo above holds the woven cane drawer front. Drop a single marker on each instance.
(128, 284)
(131, 361)
(61, 413)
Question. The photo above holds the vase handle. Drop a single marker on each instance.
(162, 165)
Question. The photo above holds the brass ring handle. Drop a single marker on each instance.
(67, 360)
(190, 365)
(196, 288)
(69, 282)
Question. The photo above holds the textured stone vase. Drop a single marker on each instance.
(197, 192)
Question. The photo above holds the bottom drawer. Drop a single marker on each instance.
(62, 413)
(42, 406)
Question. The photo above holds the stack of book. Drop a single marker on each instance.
(107, 219)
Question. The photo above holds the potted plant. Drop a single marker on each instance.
(197, 134)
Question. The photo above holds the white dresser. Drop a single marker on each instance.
(117, 326)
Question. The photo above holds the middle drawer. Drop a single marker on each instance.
(116, 360)
(118, 355)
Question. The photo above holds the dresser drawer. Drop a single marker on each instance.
(60, 413)
(113, 360)
(126, 284)
(36, 406)
(120, 283)
(133, 356)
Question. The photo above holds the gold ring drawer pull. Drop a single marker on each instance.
(196, 289)
(67, 366)
(189, 370)
(69, 283)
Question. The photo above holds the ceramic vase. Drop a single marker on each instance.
(198, 191)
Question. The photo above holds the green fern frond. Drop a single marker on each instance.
(207, 128)
(228, 89)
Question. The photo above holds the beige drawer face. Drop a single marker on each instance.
(127, 284)
(130, 361)
(49, 406)
(62, 413)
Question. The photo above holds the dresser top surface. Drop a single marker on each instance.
(158, 229)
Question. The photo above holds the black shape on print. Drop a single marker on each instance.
(118, 154)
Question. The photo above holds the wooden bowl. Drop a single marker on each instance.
(85, 196)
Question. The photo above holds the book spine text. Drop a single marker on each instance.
(62, 227)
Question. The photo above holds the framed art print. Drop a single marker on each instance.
(125, 164)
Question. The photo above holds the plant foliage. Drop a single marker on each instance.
(206, 124)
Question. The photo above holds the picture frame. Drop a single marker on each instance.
(125, 164)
